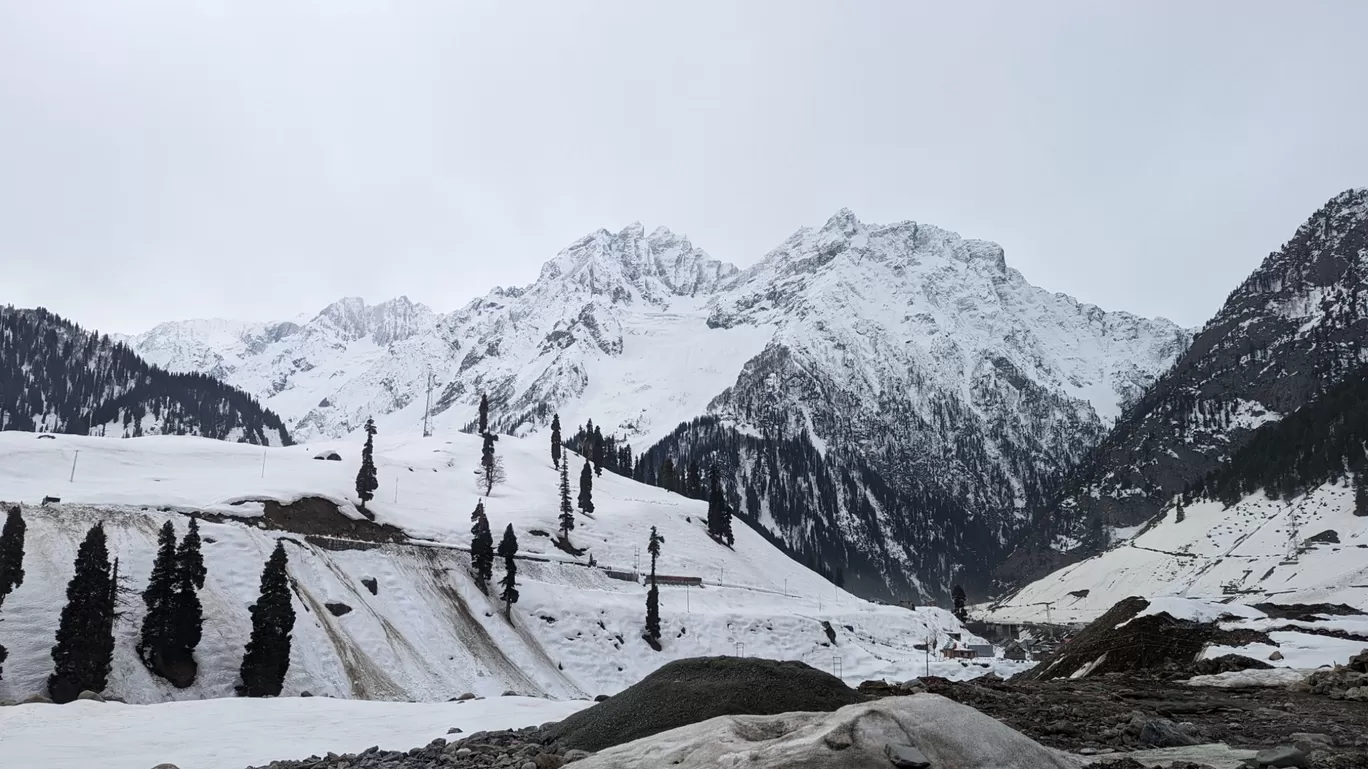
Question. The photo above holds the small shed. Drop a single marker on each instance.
(983, 650)
(953, 651)
(329, 455)
(1015, 652)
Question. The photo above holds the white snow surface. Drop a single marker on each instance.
(234, 733)
(947, 733)
(1250, 679)
(1253, 552)
(428, 634)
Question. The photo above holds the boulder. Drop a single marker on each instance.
(338, 609)
(1281, 756)
(89, 695)
(1311, 741)
(928, 729)
(371, 585)
(572, 756)
(1159, 732)
(1275, 656)
(466, 696)
(306, 693)
(166, 766)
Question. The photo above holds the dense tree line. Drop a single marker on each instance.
(57, 377)
(172, 626)
(606, 452)
(11, 562)
(1324, 440)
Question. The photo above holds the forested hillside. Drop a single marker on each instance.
(58, 377)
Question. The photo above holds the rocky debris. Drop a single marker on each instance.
(1281, 756)
(1227, 663)
(692, 690)
(338, 609)
(1100, 713)
(1158, 732)
(1121, 641)
(89, 695)
(508, 749)
(1342, 682)
(371, 585)
(1307, 612)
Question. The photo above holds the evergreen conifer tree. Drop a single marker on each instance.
(693, 481)
(555, 440)
(188, 611)
(85, 634)
(508, 548)
(959, 597)
(567, 512)
(491, 472)
(11, 561)
(481, 548)
(586, 490)
(366, 481)
(267, 656)
(484, 414)
(157, 638)
(597, 441)
(716, 504)
(667, 475)
(653, 594)
(1179, 515)
(11, 552)
(1360, 497)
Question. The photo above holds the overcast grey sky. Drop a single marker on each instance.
(173, 159)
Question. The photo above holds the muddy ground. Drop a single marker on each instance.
(1098, 714)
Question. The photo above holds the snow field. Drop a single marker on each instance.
(234, 733)
(1254, 547)
(428, 633)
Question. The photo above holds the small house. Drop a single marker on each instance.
(1015, 652)
(954, 651)
(983, 651)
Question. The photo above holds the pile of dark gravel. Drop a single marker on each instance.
(508, 749)
(688, 691)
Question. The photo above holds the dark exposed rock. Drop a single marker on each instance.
(688, 691)
(371, 585)
(338, 609)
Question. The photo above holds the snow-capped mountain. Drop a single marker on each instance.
(1292, 331)
(960, 391)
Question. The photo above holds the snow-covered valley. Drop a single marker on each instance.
(426, 633)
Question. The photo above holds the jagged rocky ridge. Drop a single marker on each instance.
(1292, 332)
(886, 400)
(58, 377)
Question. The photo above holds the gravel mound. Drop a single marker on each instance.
(688, 691)
(1142, 643)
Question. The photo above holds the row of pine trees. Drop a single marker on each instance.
(172, 626)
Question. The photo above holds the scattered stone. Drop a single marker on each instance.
(454, 730)
(89, 695)
(1275, 656)
(571, 756)
(371, 585)
(906, 756)
(306, 693)
(1159, 732)
(1281, 756)
(338, 609)
(466, 696)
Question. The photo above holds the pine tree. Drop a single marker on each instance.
(555, 440)
(484, 414)
(188, 611)
(716, 504)
(693, 481)
(11, 561)
(491, 472)
(959, 597)
(12, 552)
(597, 441)
(667, 475)
(1179, 515)
(85, 634)
(508, 548)
(366, 481)
(567, 513)
(653, 594)
(1360, 497)
(586, 490)
(157, 640)
(481, 548)
(267, 657)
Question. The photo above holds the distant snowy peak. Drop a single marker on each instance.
(384, 323)
(631, 265)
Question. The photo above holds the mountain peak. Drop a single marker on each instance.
(631, 265)
(844, 222)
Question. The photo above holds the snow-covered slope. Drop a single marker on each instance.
(1257, 550)
(427, 633)
(1292, 330)
(961, 391)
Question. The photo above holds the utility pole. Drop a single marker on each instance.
(427, 410)
(263, 463)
